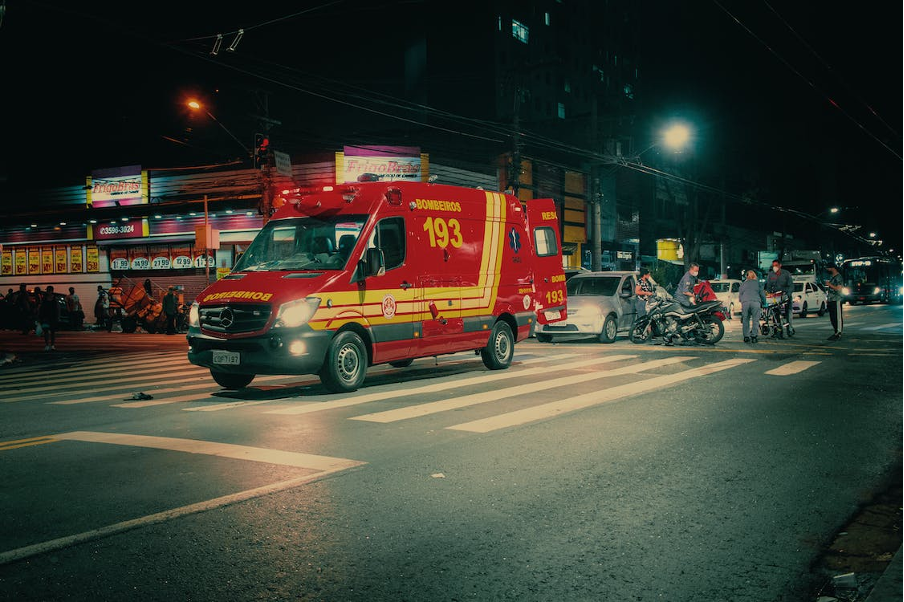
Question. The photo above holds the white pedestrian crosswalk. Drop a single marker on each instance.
(580, 379)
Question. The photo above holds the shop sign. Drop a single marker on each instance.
(160, 257)
(6, 263)
(75, 260)
(138, 258)
(626, 255)
(34, 261)
(385, 162)
(47, 260)
(119, 259)
(92, 259)
(118, 187)
(118, 230)
(61, 256)
(181, 257)
(21, 262)
(199, 255)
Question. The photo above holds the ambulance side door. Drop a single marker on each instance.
(389, 301)
(549, 277)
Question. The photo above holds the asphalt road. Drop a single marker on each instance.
(584, 472)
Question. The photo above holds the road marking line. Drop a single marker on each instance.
(160, 517)
(56, 390)
(791, 368)
(486, 397)
(212, 448)
(227, 406)
(83, 367)
(442, 386)
(889, 325)
(580, 402)
(7, 445)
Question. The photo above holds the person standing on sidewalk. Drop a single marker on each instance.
(752, 298)
(74, 305)
(26, 310)
(49, 318)
(833, 287)
(170, 307)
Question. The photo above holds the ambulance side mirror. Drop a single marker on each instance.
(372, 264)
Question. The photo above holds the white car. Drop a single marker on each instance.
(727, 292)
(808, 297)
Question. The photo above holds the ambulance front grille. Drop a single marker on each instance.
(235, 318)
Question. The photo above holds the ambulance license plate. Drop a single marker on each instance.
(228, 358)
(552, 315)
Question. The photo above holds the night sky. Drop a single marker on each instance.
(801, 104)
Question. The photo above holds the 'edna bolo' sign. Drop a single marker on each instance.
(119, 230)
(383, 162)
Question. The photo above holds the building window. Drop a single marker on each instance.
(561, 110)
(499, 22)
(629, 91)
(546, 18)
(567, 86)
(520, 31)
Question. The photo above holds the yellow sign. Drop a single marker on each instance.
(62, 265)
(75, 260)
(21, 262)
(47, 260)
(6, 264)
(92, 259)
(34, 260)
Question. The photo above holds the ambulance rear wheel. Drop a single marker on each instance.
(345, 364)
(500, 349)
(231, 380)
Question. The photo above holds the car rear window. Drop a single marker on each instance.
(603, 285)
(719, 287)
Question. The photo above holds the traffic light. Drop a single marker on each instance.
(261, 149)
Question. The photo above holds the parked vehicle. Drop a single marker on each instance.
(669, 321)
(727, 292)
(808, 297)
(344, 277)
(600, 304)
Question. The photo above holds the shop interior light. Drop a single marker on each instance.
(92, 221)
(34, 225)
(123, 219)
(157, 216)
(229, 211)
(249, 213)
(192, 213)
(62, 223)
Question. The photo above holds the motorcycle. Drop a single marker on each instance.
(668, 320)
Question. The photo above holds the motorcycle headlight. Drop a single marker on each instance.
(194, 316)
(877, 290)
(296, 313)
(845, 291)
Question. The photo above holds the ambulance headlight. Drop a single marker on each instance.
(194, 316)
(296, 313)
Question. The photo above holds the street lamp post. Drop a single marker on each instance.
(197, 106)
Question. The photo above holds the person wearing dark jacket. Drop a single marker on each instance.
(781, 280)
(49, 318)
(170, 307)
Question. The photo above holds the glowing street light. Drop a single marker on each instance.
(676, 136)
(197, 106)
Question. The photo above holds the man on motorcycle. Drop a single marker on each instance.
(684, 294)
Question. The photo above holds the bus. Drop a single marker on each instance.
(872, 280)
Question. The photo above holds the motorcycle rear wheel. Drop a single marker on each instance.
(713, 331)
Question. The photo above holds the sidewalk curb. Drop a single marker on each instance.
(889, 586)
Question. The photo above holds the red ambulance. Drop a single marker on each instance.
(348, 276)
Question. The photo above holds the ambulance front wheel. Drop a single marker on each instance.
(500, 348)
(231, 380)
(345, 364)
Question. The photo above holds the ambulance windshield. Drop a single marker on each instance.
(304, 243)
